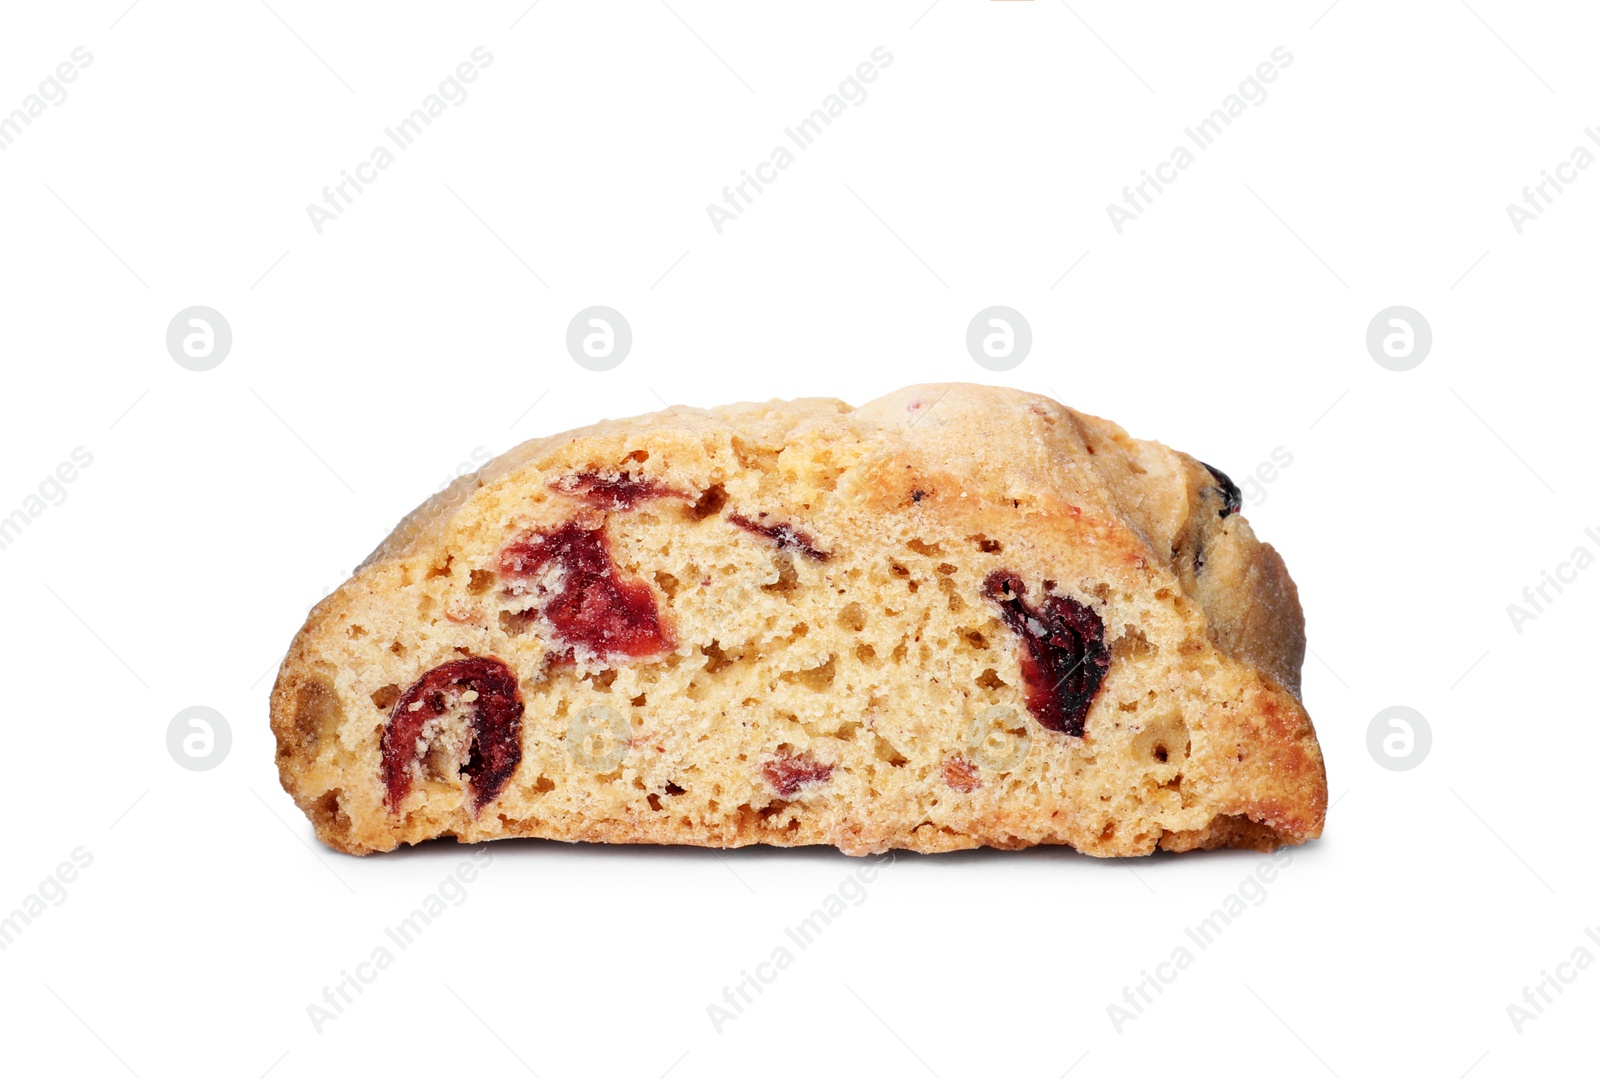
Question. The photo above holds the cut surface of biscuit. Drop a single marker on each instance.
(957, 616)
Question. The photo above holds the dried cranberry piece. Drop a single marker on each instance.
(495, 722)
(620, 492)
(788, 773)
(1064, 657)
(1231, 502)
(787, 536)
(591, 606)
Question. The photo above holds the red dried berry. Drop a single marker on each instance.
(787, 537)
(1231, 501)
(495, 723)
(620, 492)
(591, 606)
(788, 773)
(1064, 658)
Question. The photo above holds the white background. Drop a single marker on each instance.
(426, 324)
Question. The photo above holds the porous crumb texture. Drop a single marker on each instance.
(799, 622)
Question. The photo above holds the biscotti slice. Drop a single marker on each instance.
(958, 616)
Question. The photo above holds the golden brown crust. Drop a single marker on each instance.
(884, 662)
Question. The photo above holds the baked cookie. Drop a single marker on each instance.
(958, 616)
